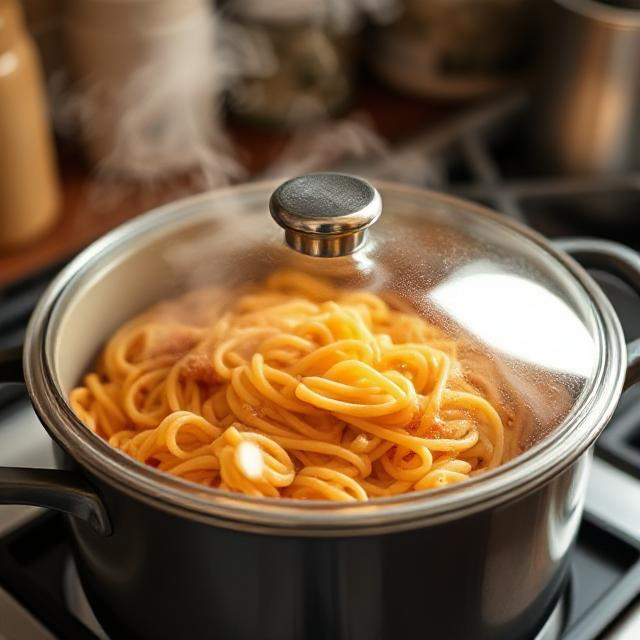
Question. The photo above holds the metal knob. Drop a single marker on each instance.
(325, 214)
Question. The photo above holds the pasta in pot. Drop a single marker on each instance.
(296, 389)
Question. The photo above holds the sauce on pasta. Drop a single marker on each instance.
(293, 389)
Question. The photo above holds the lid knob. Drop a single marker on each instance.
(325, 214)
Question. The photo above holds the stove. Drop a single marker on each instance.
(478, 157)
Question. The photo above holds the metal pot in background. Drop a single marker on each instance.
(586, 101)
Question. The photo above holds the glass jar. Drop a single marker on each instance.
(294, 65)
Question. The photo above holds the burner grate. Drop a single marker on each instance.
(17, 301)
(605, 578)
(620, 442)
(484, 156)
(32, 562)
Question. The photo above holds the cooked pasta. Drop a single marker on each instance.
(293, 389)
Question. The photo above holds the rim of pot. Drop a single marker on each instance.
(528, 471)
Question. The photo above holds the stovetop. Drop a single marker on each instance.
(479, 157)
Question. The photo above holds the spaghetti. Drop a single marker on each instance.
(295, 389)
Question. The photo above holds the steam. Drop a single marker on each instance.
(152, 123)
(149, 117)
(327, 145)
(424, 159)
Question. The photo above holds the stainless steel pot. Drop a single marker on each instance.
(162, 557)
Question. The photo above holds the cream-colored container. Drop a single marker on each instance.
(29, 193)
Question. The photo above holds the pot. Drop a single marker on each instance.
(583, 84)
(160, 557)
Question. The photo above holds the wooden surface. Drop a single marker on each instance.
(91, 206)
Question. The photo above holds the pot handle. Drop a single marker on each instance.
(64, 491)
(54, 489)
(620, 261)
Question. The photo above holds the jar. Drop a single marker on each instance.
(29, 191)
(454, 49)
(294, 64)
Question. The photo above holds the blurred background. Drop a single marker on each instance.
(111, 107)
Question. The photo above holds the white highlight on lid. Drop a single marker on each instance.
(519, 318)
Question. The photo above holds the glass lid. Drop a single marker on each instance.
(523, 332)
(337, 342)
